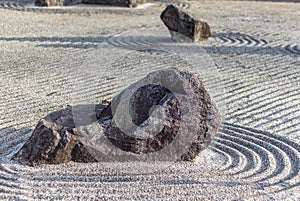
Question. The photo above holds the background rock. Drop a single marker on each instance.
(123, 3)
(181, 25)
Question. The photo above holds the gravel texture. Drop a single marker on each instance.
(54, 57)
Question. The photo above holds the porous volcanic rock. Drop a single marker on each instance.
(168, 104)
(181, 25)
(166, 116)
(138, 113)
(53, 142)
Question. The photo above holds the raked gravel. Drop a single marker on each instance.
(51, 58)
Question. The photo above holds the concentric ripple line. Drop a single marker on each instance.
(261, 155)
(248, 157)
(269, 152)
(249, 41)
(288, 148)
(292, 48)
(226, 40)
(129, 42)
(224, 154)
(234, 159)
(264, 159)
(8, 4)
(277, 153)
(182, 5)
(241, 40)
(260, 41)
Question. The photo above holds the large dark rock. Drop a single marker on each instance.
(166, 105)
(182, 26)
(166, 116)
(53, 142)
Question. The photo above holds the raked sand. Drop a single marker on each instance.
(51, 58)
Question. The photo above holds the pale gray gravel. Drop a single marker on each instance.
(51, 58)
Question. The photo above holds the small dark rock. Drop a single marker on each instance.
(181, 25)
(53, 141)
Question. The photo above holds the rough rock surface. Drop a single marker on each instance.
(168, 115)
(190, 115)
(181, 25)
(53, 142)
(140, 104)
